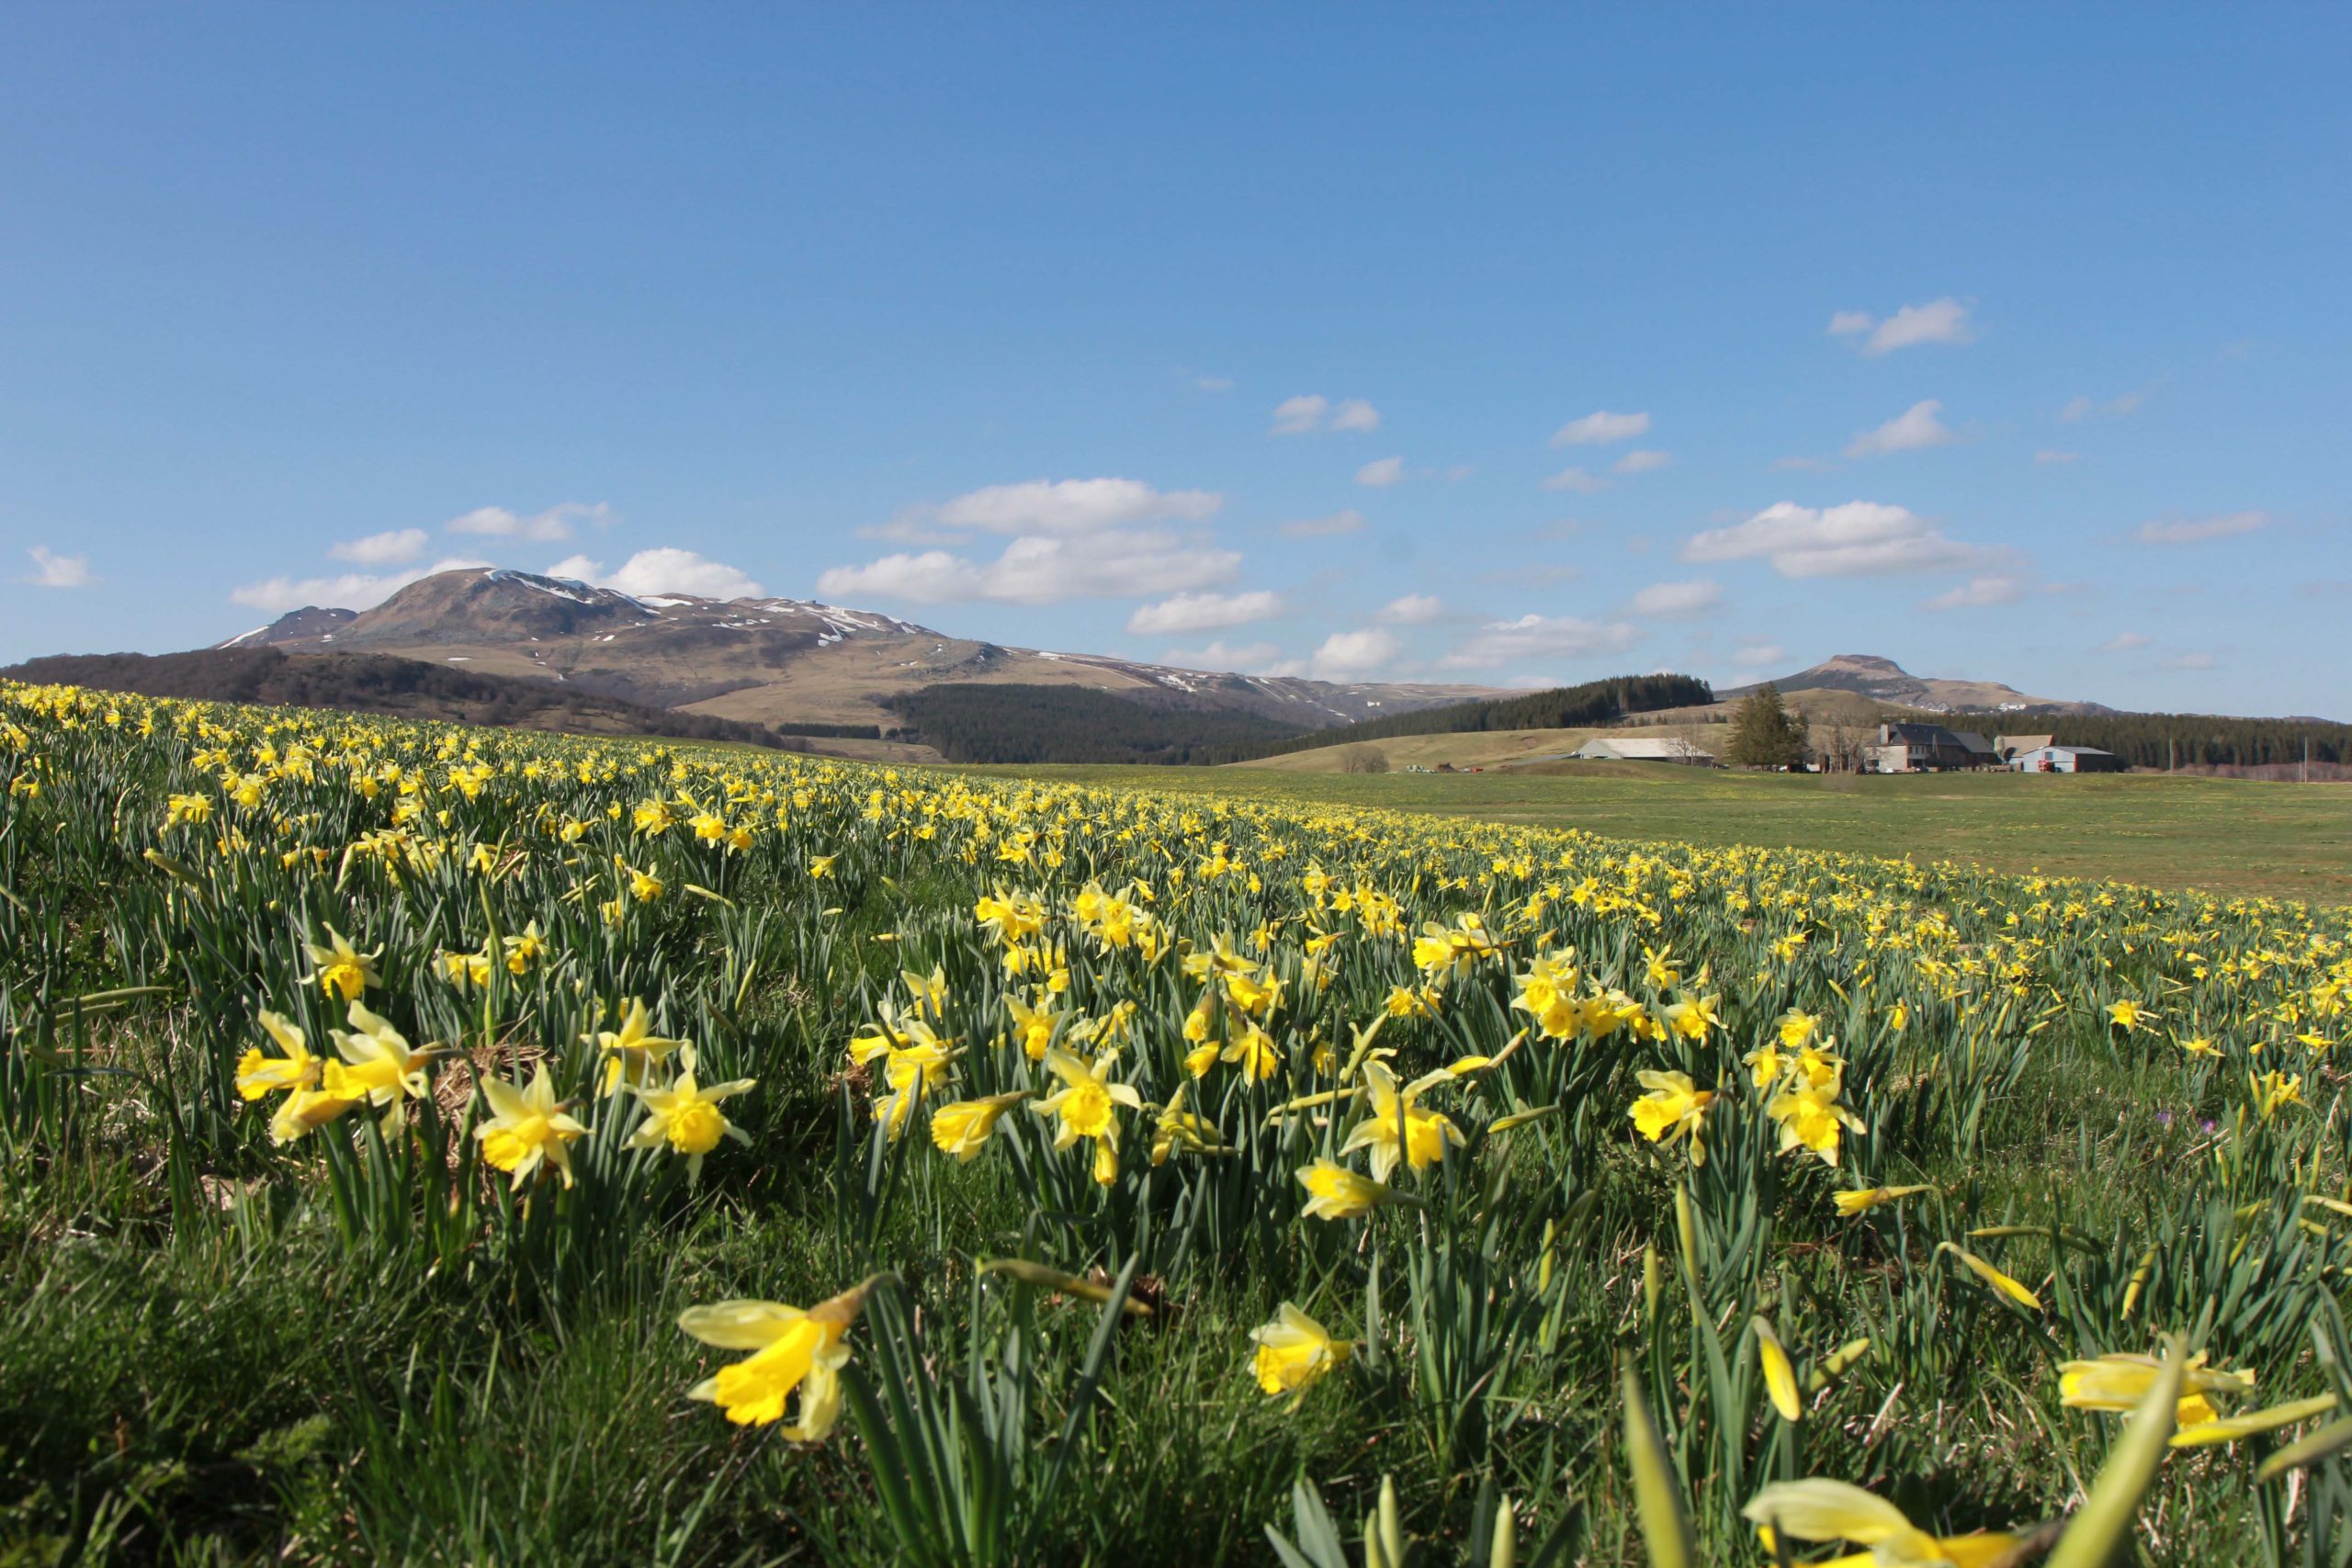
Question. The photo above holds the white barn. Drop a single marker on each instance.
(1630, 749)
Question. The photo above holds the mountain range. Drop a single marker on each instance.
(771, 661)
(1885, 681)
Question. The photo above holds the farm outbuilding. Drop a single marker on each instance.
(2067, 760)
(1929, 747)
(1628, 748)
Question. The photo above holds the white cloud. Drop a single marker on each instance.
(1381, 472)
(1346, 521)
(1250, 658)
(1980, 593)
(555, 522)
(53, 570)
(2052, 455)
(2079, 407)
(1352, 656)
(1938, 321)
(2196, 530)
(394, 546)
(1860, 538)
(1036, 570)
(1072, 506)
(1413, 610)
(1296, 416)
(2190, 661)
(1760, 655)
(1303, 415)
(1214, 383)
(1204, 611)
(350, 591)
(1674, 600)
(2125, 642)
(1915, 427)
(1642, 462)
(668, 570)
(1536, 636)
(1600, 428)
(1574, 479)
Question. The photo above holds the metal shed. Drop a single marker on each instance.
(2067, 760)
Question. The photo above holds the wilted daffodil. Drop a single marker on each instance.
(526, 1128)
(1822, 1509)
(338, 968)
(1395, 1128)
(791, 1349)
(686, 1116)
(1673, 1106)
(1180, 1129)
(1294, 1353)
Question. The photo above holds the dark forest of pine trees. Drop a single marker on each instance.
(2157, 740)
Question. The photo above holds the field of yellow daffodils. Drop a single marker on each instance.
(428, 1143)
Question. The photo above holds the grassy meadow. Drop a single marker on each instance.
(434, 1145)
(2226, 836)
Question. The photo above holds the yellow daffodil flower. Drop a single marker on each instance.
(1294, 1353)
(526, 1128)
(963, 1128)
(1673, 1106)
(791, 1350)
(1822, 1509)
(1395, 1128)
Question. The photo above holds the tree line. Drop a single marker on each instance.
(2159, 739)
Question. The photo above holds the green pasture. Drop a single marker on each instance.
(2226, 836)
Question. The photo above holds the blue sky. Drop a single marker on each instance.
(2003, 342)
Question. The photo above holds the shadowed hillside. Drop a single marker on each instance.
(376, 682)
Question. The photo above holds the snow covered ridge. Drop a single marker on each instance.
(739, 612)
(566, 588)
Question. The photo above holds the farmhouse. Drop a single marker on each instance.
(1929, 747)
(1628, 748)
(2067, 760)
(2010, 748)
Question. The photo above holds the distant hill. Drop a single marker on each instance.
(765, 661)
(1562, 708)
(1885, 681)
(1067, 724)
(381, 683)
